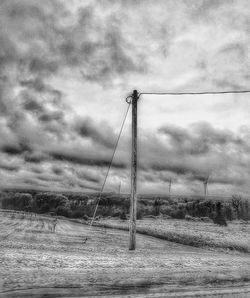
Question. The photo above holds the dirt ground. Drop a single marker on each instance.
(37, 262)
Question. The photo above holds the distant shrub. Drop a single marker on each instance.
(228, 211)
(103, 210)
(77, 205)
(191, 218)
(219, 218)
(117, 213)
(157, 204)
(62, 211)
(178, 214)
(85, 217)
(77, 214)
(104, 202)
(45, 202)
(144, 202)
(52, 213)
(236, 202)
(44, 208)
(166, 210)
(181, 206)
(139, 214)
(206, 219)
(17, 201)
(220, 221)
(245, 210)
(123, 216)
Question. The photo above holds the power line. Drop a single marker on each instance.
(195, 93)
(110, 164)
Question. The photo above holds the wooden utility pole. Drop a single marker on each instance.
(133, 199)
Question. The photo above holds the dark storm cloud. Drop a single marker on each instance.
(16, 15)
(195, 153)
(98, 49)
(221, 178)
(86, 186)
(11, 149)
(37, 84)
(9, 166)
(17, 149)
(57, 170)
(83, 174)
(47, 178)
(15, 120)
(227, 180)
(35, 157)
(200, 138)
(147, 177)
(79, 158)
(51, 116)
(37, 170)
(117, 60)
(178, 135)
(43, 66)
(100, 133)
(45, 110)
(30, 103)
(32, 182)
(179, 169)
(39, 39)
(190, 169)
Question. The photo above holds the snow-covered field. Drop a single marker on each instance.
(36, 261)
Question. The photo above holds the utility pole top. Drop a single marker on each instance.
(135, 94)
(133, 97)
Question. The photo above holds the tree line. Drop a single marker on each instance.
(82, 206)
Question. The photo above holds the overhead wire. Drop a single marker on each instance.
(196, 93)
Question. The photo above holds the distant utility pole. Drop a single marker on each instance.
(205, 186)
(169, 187)
(133, 198)
(120, 186)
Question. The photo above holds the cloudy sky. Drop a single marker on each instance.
(66, 68)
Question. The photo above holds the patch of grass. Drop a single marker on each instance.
(198, 234)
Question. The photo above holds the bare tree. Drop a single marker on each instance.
(236, 201)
